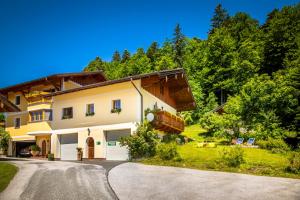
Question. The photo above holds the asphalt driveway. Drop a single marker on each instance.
(137, 181)
(57, 180)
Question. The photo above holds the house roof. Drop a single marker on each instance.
(7, 106)
(42, 80)
(187, 104)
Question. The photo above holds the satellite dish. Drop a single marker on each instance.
(150, 117)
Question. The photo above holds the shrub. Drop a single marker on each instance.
(232, 157)
(4, 139)
(167, 151)
(35, 147)
(142, 143)
(273, 144)
(294, 165)
(173, 138)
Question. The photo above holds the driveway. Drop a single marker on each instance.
(137, 181)
(55, 180)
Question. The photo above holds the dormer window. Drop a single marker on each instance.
(18, 100)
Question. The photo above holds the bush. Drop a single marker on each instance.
(271, 144)
(167, 151)
(167, 138)
(4, 139)
(294, 165)
(232, 157)
(35, 147)
(143, 143)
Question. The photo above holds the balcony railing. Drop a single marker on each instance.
(167, 122)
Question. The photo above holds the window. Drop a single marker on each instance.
(117, 104)
(48, 115)
(67, 113)
(18, 100)
(17, 122)
(90, 110)
(36, 116)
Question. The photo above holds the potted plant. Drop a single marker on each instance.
(79, 153)
(116, 110)
(35, 150)
(50, 156)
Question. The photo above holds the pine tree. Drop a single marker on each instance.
(178, 46)
(219, 17)
(125, 56)
(152, 51)
(116, 57)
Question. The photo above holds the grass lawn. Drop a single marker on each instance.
(7, 172)
(257, 161)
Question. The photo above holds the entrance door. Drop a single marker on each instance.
(91, 147)
(43, 148)
(114, 151)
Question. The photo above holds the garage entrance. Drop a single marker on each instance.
(23, 148)
(68, 145)
(114, 151)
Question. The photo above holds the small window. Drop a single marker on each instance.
(36, 116)
(90, 110)
(117, 104)
(18, 100)
(17, 122)
(67, 113)
(48, 115)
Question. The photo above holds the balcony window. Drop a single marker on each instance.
(36, 116)
(67, 113)
(18, 100)
(90, 110)
(17, 122)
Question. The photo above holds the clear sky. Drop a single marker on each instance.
(43, 37)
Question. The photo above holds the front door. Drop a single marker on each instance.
(44, 148)
(91, 147)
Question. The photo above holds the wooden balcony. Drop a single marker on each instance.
(165, 121)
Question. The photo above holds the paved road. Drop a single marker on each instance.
(56, 180)
(137, 181)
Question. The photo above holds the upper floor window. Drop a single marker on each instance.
(116, 106)
(67, 113)
(17, 122)
(90, 110)
(48, 115)
(18, 100)
(36, 116)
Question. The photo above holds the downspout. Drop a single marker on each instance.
(141, 95)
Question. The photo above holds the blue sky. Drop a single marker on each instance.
(43, 37)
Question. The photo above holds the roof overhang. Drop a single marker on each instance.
(39, 133)
(7, 106)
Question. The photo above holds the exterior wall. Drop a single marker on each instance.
(24, 117)
(40, 139)
(70, 85)
(39, 106)
(102, 98)
(97, 132)
(150, 100)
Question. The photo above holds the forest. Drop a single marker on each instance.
(251, 70)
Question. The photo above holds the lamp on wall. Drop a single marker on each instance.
(89, 131)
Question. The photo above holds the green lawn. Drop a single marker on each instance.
(7, 172)
(258, 161)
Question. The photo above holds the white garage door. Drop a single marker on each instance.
(68, 145)
(114, 151)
